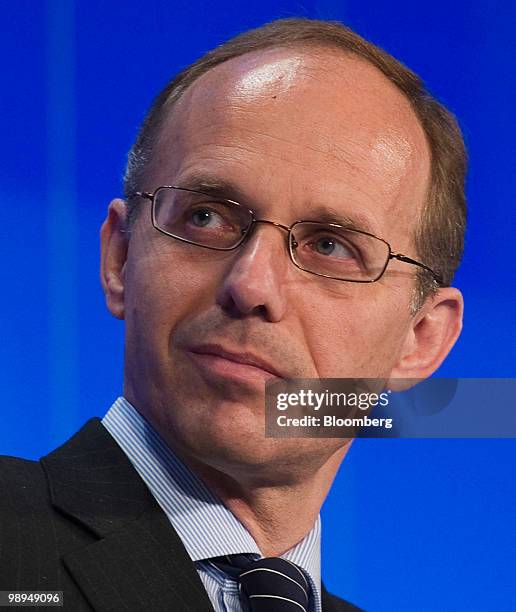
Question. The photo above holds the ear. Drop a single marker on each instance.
(433, 332)
(113, 244)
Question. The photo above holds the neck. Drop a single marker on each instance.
(278, 516)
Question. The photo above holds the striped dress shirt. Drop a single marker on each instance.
(205, 525)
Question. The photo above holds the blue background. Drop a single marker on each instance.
(409, 525)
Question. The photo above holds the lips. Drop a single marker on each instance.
(244, 358)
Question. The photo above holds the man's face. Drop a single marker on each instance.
(294, 134)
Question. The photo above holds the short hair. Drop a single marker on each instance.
(439, 236)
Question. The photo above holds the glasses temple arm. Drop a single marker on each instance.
(141, 194)
(409, 260)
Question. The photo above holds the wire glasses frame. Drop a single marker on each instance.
(249, 219)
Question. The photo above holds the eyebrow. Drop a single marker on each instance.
(327, 214)
(212, 186)
(224, 189)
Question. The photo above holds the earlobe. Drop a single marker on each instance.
(434, 331)
(114, 241)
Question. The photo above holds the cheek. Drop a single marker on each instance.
(162, 289)
(359, 336)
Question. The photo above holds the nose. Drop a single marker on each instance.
(255, 280)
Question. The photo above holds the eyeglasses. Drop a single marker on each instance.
(325, 249)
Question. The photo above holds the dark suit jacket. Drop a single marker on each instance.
(82, 521)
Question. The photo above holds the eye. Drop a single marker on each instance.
(205, 217)
(330, 246)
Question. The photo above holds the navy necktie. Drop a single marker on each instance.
(271, 584)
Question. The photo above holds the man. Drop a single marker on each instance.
(222, 263)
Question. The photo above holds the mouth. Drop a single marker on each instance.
(237, 366)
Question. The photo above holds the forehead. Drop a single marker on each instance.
(311, 127)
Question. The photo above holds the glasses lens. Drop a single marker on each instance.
(200, 218)
(338, 252)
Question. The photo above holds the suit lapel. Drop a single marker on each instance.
(138, 561)
(139, 567)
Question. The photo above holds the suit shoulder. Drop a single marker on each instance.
(8, 463)
(22, 484)
(14, 469)
(28, 527)
(332, 603)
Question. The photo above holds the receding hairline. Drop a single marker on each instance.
(414, 132)
(314, 48)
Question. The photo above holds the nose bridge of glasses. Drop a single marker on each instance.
(273, 223)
